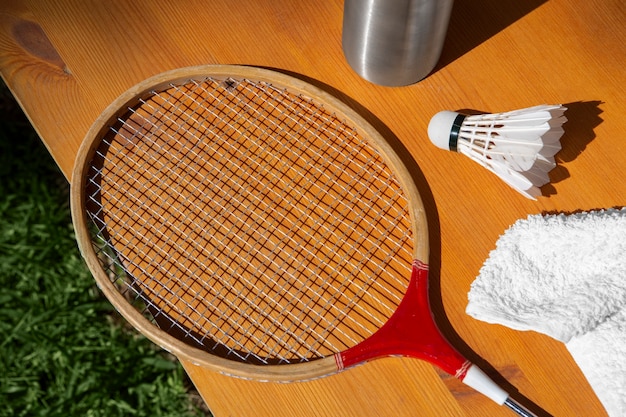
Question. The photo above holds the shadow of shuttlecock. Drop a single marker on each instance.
(582, 118)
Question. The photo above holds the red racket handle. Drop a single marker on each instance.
(411, 331)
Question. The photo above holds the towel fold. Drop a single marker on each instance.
(564, 276)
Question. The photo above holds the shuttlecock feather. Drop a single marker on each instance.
(518, 146)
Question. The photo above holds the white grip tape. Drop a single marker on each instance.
(478, 380)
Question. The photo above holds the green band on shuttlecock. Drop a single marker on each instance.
(454, 132)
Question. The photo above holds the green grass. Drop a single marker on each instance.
(64, 351)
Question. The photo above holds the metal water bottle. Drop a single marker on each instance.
(394, 42)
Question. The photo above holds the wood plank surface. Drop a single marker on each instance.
(65, 61)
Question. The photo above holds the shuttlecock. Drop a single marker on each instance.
(518, 146)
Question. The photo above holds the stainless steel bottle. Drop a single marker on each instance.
(394, 42)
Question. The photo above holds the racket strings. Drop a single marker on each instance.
(259, 291)
(319, 172)
(165, 287)
(338, 167)
(288, 186)
(290, 168)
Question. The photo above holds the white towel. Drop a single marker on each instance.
(564, 276)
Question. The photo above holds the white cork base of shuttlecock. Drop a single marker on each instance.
(440, 127)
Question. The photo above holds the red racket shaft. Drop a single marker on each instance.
(411, 331)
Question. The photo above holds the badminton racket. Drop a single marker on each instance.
(257, 226)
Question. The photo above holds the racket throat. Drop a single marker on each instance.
(411, 331)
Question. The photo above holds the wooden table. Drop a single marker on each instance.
(66, 60)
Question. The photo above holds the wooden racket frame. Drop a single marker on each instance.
(291, 372)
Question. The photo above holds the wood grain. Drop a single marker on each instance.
(65, 61)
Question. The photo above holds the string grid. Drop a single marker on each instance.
(249, 221)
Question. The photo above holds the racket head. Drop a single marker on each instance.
(113, 141)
